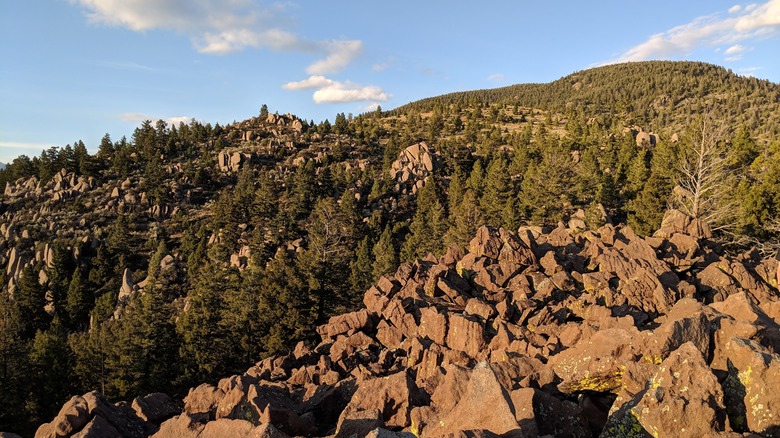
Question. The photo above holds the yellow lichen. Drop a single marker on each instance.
(413, 428)
(744, 376)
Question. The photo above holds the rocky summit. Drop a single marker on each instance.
(568, 333)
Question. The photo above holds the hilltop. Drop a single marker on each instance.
(660, 95)
(188, 253)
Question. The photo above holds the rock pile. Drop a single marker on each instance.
(413, 166)
(570, 333)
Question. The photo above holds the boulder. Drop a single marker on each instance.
(73, 416)
(752, 400)
(394, 396)
(683, 398)
(358, 423)
(466, 333)
(470, 413)
(675, 221)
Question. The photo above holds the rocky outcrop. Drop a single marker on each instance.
(232, 162)
(570, 333)
(413, 166)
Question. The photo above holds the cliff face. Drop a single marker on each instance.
(570, 333)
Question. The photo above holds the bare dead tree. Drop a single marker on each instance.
(703, 183)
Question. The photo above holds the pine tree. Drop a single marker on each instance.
(647, 210)
(60, 274)
(14, 363)
(498, 189)
(206, 347)
(50, 370)
(476, 179)
(145, 346)
(287, 312)
(361, 268)
(547, 187)
(30, 300)
(455, 189)
(385, 255)
(467, 217)
(428, 225)
(79, 301)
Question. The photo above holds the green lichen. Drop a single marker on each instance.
(626, 426)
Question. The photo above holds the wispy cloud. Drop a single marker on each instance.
(219, 27)
(748, 71)
(743, 24)
(127, 65)
(497, 77)
(384, 65)
(141, 117)
(23, 145)
(330, 91)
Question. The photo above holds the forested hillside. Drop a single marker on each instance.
(188, 253)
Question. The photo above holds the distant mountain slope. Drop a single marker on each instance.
(659, 94)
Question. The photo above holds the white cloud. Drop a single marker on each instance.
(734, 52)
(736, 48)
(754, 21)
(330, 91)
(311, 82)
(340, 94)
(340, 54)
(371, 106)
(497, 77)
(734, 9)
(218, 27)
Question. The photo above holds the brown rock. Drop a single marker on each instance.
(99, 427)
(466, 334)
(751, 395)
(675, 221)
(433, 325)
(674, 333)
(597, 362)
(375, 301)
(203, 399)
(682, 399)
(121, 417)
(470, 413)
(225, 427)
(341, 324)
(477, 307)
(182, 426)
(358, 423)
(393, 395)
(73, 415)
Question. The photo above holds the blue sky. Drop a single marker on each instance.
(77, 69)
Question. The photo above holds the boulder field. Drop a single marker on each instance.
(568, 334)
